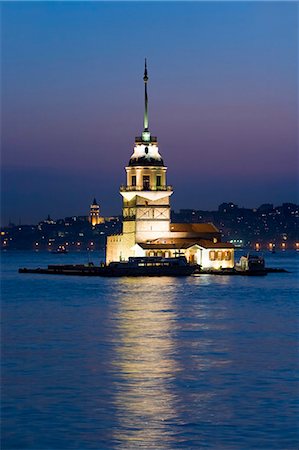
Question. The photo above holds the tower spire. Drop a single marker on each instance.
(146, 133)
(145, 79)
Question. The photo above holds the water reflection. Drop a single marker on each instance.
(207, 279)
(145, 366)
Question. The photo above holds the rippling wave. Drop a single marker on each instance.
(150, 363)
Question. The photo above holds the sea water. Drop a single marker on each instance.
(151, 363)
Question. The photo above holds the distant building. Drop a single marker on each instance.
(94, 215)
(227, 207)
(147, 230)
(49, 220)
(266, 208)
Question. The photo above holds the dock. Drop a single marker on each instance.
(91, 270)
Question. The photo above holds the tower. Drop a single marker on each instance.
(146, 213)
(146, 206)
(94, 215)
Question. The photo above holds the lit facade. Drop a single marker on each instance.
(147, 230)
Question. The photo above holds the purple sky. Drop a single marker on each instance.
(222, 100)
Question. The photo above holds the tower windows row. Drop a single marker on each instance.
(146, 181)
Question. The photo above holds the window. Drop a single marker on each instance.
(133, 181)
(228, 256)
(146, 182)
(212, 255)
(219, 255)
(158, 180)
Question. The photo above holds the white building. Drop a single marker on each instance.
(147, 230)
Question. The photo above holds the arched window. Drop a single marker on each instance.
(146, 182)
(220, 255)
(228, 256)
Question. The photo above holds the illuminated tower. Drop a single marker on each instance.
(146, 213)
(146, 206)
(94, 215)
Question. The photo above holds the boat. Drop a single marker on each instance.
(59, 250)
(251, 264)
(134, 267)
(152, 266)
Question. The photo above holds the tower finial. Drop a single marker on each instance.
(146, 133)
(145, 78)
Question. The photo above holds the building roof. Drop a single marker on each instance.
(209, 244)
(194, 227)
(183, 243)
(169, 245)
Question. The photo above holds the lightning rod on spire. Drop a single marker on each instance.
(146, 133)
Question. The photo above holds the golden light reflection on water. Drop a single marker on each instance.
(145, 364)
(208, 279)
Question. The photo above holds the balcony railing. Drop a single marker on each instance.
(127, 218)
(139, 140)
(124, 188)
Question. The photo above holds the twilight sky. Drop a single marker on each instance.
(223, 102)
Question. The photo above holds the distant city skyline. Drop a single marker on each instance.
(222, 102)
